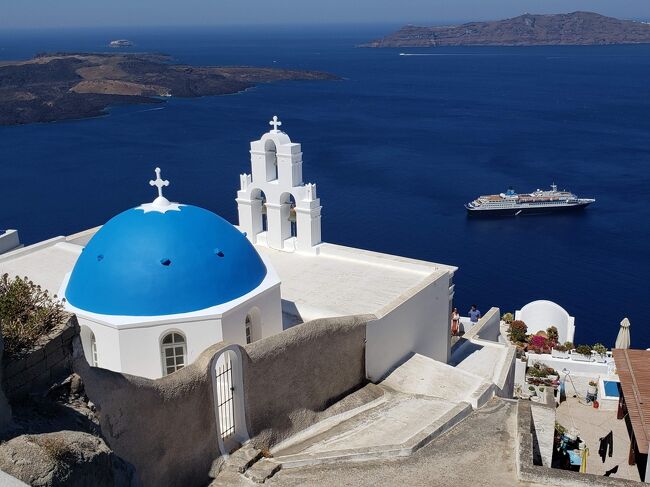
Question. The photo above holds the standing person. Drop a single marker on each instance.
(474, 314)
(455, 322)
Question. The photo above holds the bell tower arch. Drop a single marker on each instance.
(290, 207)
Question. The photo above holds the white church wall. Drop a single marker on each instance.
(266, 311)
(141, 347)
(107, 342)
(418, 322)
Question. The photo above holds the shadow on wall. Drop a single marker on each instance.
(167, 428)
(292, 377)
(164, 427)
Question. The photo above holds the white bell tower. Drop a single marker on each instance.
(275, 207)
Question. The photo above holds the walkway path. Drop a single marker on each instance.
(478, 451)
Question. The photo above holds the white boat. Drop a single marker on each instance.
(539, 201)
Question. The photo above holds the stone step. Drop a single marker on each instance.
(262, 470)
(397, 428)
(242, 459)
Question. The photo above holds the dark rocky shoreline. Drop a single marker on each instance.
(64, 86)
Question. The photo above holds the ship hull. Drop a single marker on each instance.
(526, 211)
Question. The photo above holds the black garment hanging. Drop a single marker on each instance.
(606, 442)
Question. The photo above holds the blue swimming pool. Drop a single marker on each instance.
(612, 388)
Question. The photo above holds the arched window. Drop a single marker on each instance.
(249, 329)
(174, 352)
(93, 350)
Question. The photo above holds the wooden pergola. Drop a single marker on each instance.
(633, 368)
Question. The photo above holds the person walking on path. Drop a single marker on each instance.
(474, 314)
(455, 322)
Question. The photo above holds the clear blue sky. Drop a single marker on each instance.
(92, 13)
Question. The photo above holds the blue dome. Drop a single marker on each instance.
(151, 263)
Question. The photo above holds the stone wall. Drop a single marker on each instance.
(292, 377)
(165, 427)
(5, 409)
(49, 361)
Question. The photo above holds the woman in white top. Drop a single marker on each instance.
(455, 322)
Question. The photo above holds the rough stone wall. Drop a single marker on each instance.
(165, 427)
(48, 362)
(292, 377)
(5, 409)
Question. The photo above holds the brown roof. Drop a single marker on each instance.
(633, 367)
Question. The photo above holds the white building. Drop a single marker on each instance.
(159, 283)
(542, 314)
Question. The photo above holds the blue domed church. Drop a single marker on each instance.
(159, 283)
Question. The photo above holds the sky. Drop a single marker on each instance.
(100, 13)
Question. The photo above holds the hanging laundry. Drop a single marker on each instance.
(606, 442)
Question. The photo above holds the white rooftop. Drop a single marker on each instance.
(341, 281)
(338, 281)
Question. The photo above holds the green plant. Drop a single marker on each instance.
(568, 345)
(583, 350)
(531, 388)
(508, 317)
(600, 349)
(541, 389)
(541, 371)
(559, 347)
(517, 331)
(26, 312)
(552, 334)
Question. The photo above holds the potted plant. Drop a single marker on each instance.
(517, 331)
(552, 334)
(582, 353)
(600, 351)
(507, 318)
(531, 391)
(560, 351)
(552, 374)
(592, 388)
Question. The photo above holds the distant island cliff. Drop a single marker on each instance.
(577, 28)
(63, 86)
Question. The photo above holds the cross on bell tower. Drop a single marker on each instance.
(275, 123)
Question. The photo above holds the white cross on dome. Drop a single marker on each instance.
(160, 204)
(160, 183)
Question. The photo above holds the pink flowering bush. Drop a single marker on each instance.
(537, 343)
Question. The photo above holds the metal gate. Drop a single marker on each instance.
(225, 398)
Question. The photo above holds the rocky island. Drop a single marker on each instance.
(577, 28)
(63, 86)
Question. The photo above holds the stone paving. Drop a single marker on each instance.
(478, 451)
(594, 424)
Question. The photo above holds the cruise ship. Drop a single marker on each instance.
(540, 201)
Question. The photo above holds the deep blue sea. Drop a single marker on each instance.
(396, 148)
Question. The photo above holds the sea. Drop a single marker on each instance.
(397, 146)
